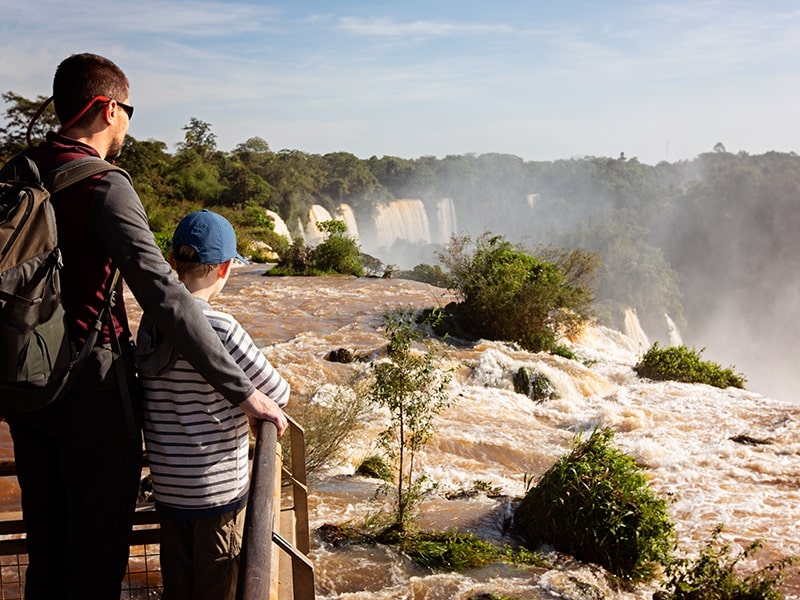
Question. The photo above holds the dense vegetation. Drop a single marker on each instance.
(717, 574)
(506, 293)
(679, 363)
(705, 241)
(596, 505)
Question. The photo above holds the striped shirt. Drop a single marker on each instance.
(197, 442)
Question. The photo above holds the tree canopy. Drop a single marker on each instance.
(672, 238)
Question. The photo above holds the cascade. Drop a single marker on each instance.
(280, 225)
(401, 220)
(445, 220)
(675, 338)
(633, 329)
(347, 215)
(311, 233)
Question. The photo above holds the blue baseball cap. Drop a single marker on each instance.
(211, 235)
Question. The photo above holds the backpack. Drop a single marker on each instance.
(36, 358)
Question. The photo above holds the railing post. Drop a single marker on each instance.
(256, 559)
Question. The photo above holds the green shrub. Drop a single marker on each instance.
(457, 551)
(595, 505)
(679, 363)
(432, 274)
(375, 466)
(508, 294)
(295, 260)
(339, 253)
(713, 575)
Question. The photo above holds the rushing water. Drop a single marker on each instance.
(680, 433)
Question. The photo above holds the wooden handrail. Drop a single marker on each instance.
(299, 485)
(258, 572)
(255, 573)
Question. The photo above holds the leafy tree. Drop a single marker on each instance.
(414, 391)
(508, 294)
(346, 177)
(150, 166)
(198, 138)
(18, 115)
(339, 253)
(253, 151)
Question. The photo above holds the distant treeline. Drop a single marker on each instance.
(684, 238)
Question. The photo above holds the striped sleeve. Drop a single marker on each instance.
(249, 357)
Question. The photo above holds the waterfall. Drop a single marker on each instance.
(633, 329)
(404, 220)
(346, 215)
(675, 338)
(401, 220)
(311, 233)
(280, 225)
(445, 220)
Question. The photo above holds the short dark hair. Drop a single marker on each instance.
(187, 263)
(80, 78)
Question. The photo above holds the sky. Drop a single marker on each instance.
(538, 79)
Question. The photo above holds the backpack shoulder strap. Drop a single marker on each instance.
(77, 170)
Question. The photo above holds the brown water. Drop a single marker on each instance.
(680, 433)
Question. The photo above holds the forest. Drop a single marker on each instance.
(708, 242)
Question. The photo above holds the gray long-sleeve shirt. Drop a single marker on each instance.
(101, 221)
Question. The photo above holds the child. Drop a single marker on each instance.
(197, 442)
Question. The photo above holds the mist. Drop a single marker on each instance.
(708, 244)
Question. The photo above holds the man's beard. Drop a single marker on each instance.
(114, 150)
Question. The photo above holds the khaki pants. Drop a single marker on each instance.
(200, 557)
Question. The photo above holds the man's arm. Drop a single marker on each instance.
(120, 225)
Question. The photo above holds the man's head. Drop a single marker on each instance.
(86, 86)
(202, 241)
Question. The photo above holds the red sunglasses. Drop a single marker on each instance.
(126, 107)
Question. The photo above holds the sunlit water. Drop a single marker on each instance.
(680, 433)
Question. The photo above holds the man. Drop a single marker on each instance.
(78, 464)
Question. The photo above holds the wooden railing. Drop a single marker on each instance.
(259, 575)
(263, 574)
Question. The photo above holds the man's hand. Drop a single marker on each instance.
(261, 406)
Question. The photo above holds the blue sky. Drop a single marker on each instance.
(542, 80)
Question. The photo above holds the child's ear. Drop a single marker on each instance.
(224, 268)
(172, 259)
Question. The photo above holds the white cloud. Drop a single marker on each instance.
(388, 27)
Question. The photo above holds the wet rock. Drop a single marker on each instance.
(340, 355)
(534, 385)
(749, 441)
(340, 536)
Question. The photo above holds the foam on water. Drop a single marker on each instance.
(683, 435)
